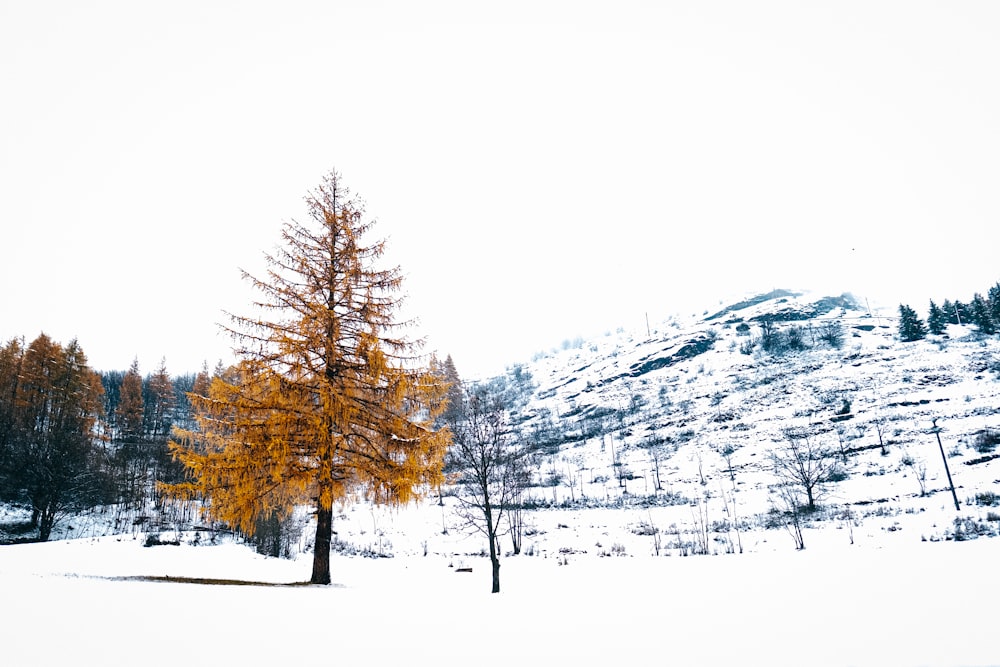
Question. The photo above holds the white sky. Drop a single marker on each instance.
(542, 170)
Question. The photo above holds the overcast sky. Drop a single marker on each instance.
(541, 170)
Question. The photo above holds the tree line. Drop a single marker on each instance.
(73, 438)
(981, 311)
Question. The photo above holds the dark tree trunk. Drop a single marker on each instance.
(47, 519)
(495, 561)
(516, 529)
(321, 550)
(491, 535)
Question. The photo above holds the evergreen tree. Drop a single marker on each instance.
(950, 312)
(327, 401)
(993, 299)
(963, 313)
(980, 315)
(911, 327)
(936, 319)
(455, 396)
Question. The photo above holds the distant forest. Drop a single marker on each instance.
(982, 312)
(72, 438)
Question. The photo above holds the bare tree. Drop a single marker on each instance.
(726, 451)
(489, 465)
(702, 525)
(804, 465)
(659, 449)
(785, 503)
(918, 468)
(831, 332)
(879, 428)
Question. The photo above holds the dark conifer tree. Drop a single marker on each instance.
(993, 299)
(950, 312)
(456, 395)
(937, 319)
(963, 313)
(911, 327)
(980, 315)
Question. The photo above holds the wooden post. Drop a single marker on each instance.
(936, 430)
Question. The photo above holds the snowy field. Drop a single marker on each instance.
(905, 602)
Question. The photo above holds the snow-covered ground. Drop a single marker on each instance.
(905, 602)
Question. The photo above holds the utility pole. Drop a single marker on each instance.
(936, 430)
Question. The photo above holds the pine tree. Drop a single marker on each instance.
(911, 327)
(963, 313)
(993, 299)
(326, 401)
(950, 312)
(980, 315)
(455, 396)
(936, 319)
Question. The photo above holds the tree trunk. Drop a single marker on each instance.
(47, 520)
(495, 561)
(324, 536)
(516, 530)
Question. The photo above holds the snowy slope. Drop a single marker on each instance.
(690, 386)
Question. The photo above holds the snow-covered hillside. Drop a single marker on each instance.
(682, 421)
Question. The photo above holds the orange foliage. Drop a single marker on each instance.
(326, 403)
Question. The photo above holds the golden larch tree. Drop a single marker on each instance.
(54, 460)
(327, 401)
